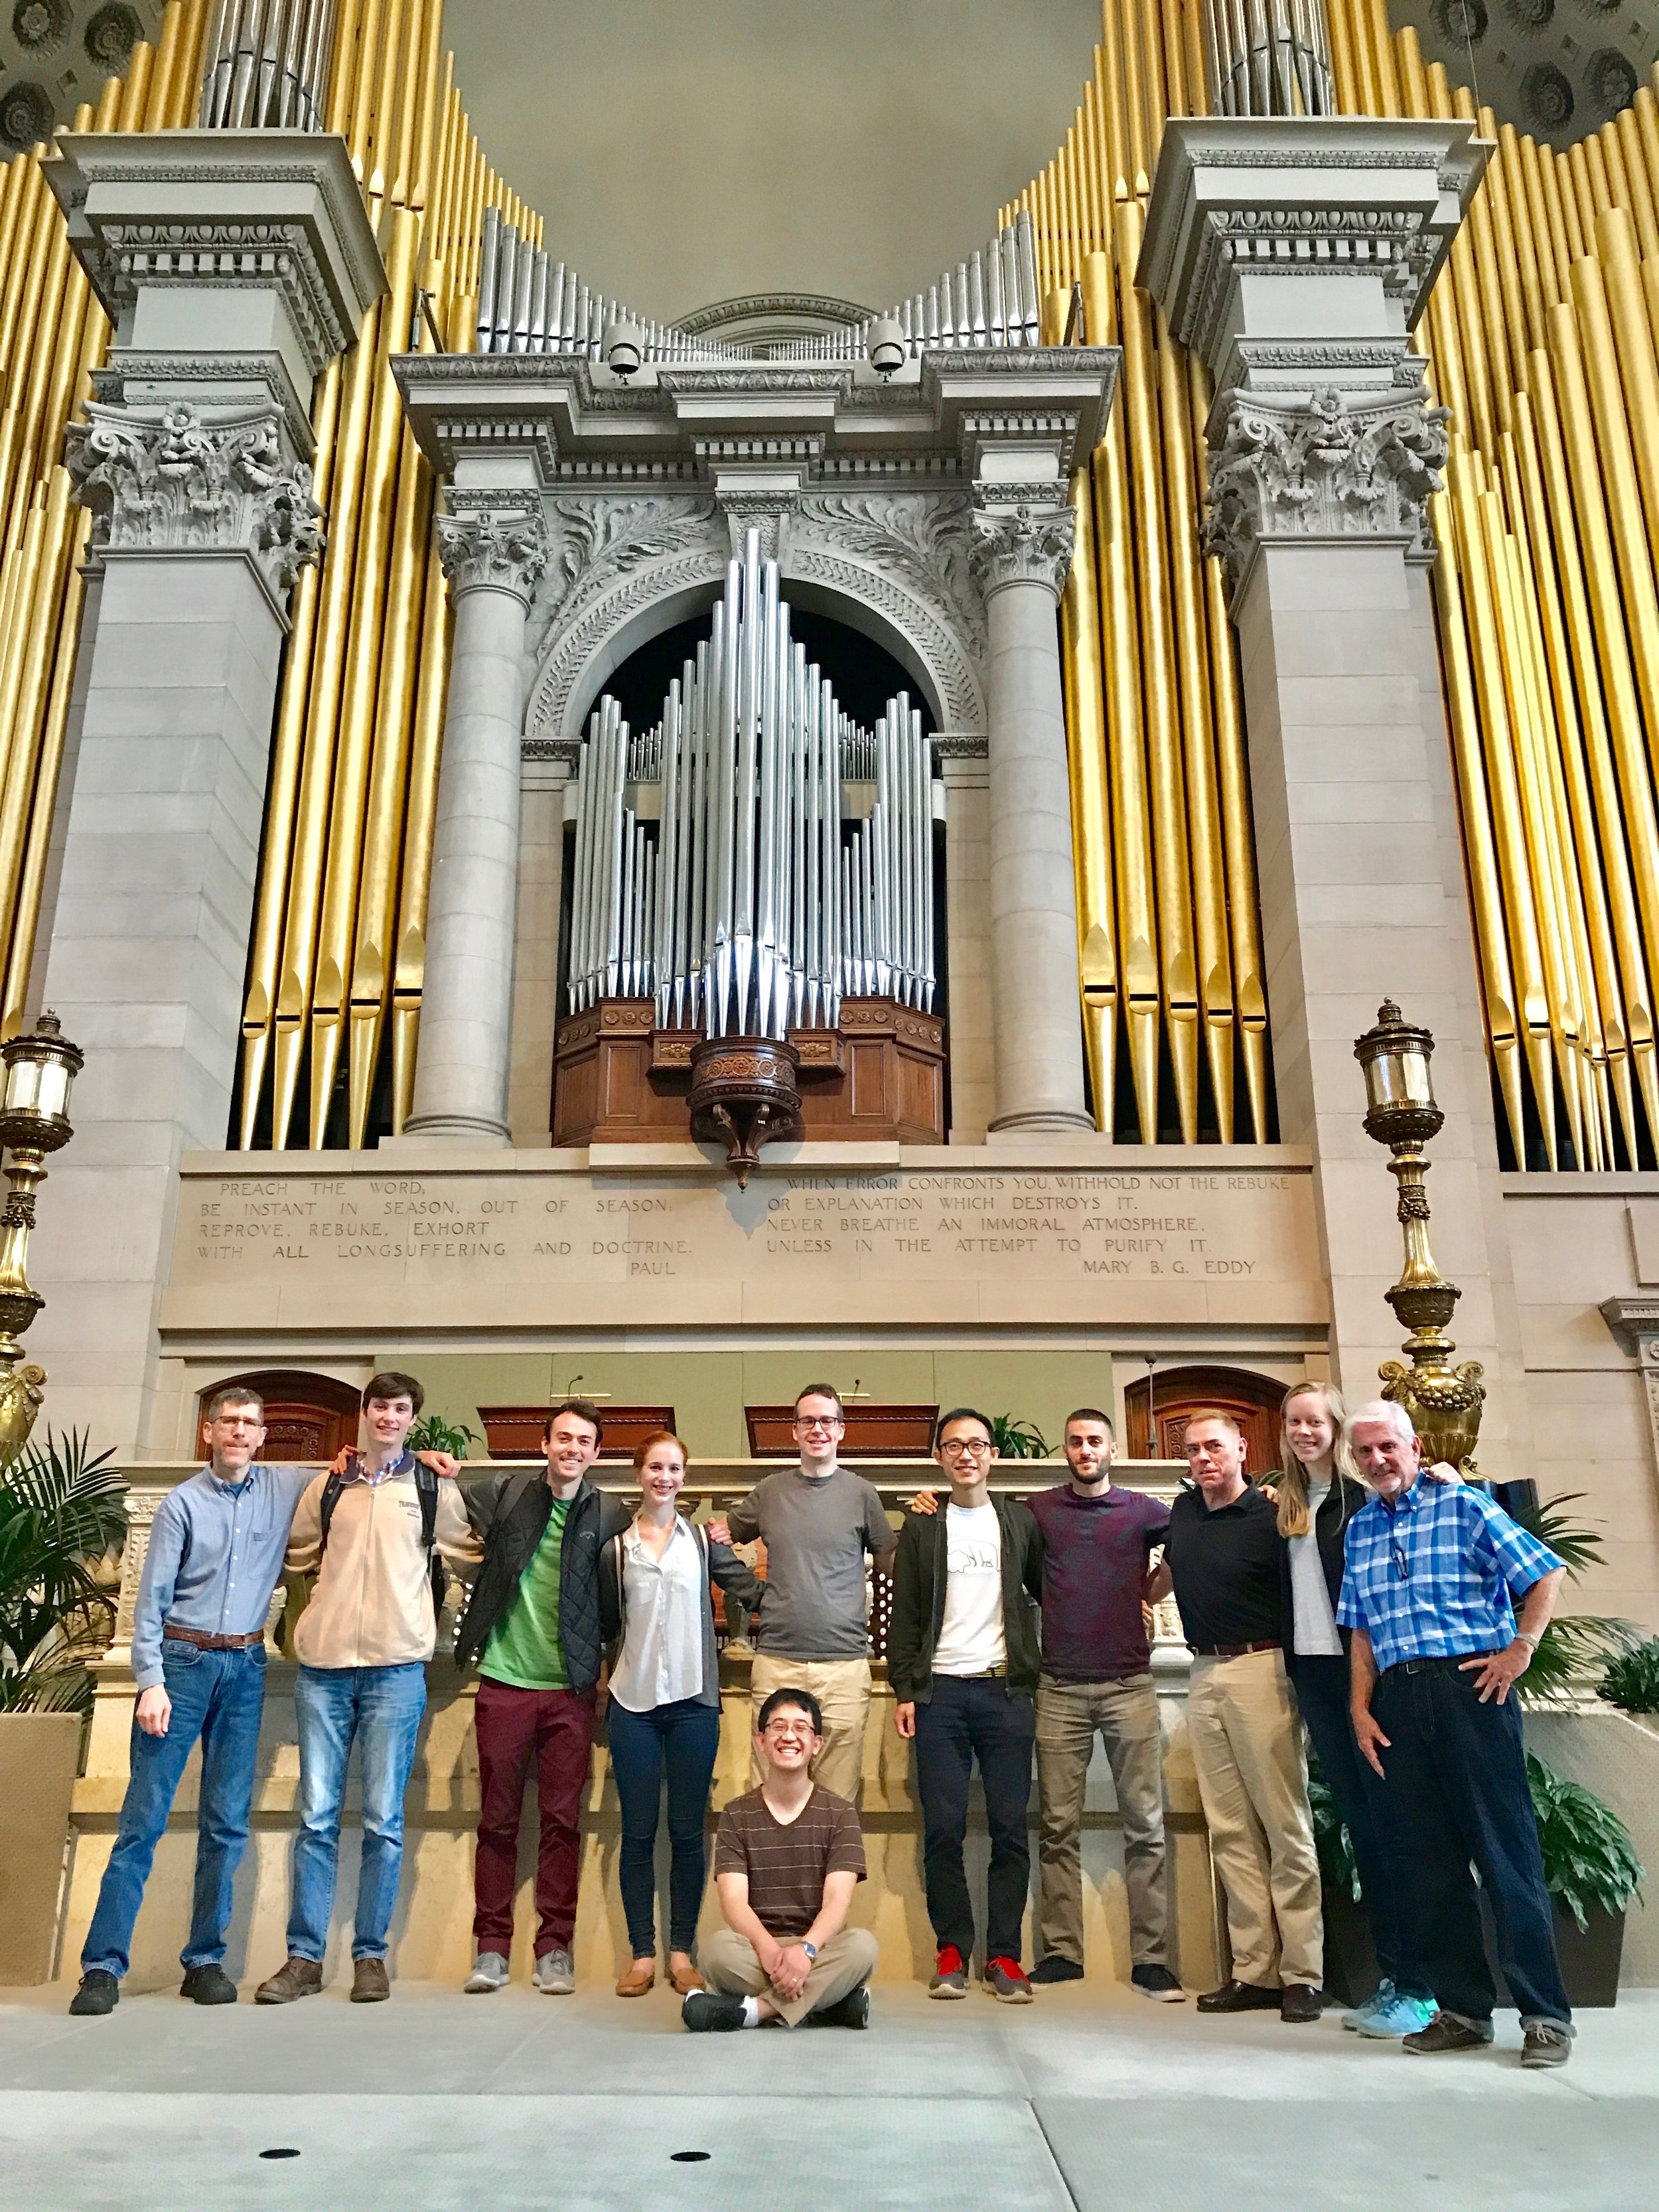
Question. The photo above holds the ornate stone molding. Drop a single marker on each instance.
(143, 378)
(174, 480)
(483, 552)
(961, 745)
(583, 625)
(771, 513)
(1022, 545)
(940, 643)
(597, 540)
(1297, 469)
(227, 256)
(925, 541)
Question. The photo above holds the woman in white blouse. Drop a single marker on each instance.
(664, 1708)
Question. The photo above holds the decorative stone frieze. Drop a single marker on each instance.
(1288, 468)
(771, 511)
(1022, 545)
(483, 552)
(174, 479)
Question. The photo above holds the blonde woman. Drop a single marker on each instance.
(658, 1620)
(1318, 1494)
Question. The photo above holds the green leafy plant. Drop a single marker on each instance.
(1017, 1439)
(60, 1514)
(432, 1433)
(1589, 1860)
(1631, 1682)
(1574, 1643)
(1337, 1862)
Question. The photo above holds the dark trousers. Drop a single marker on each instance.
(962, 1722)
(681, 1739)
(1321, 1685)
(557, 1728)
(218, 1697)
(1458, 1780)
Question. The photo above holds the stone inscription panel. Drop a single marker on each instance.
(1183, 1229)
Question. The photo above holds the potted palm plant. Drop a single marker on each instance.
(61, 1515)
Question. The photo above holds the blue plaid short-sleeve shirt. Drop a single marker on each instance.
(1430, 1577)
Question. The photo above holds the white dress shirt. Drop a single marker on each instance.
(661, 1658)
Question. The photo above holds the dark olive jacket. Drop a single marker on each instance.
(919, 1581)
(509, 1511)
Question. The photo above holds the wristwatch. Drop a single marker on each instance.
(811, 1949)
(1531, 1641)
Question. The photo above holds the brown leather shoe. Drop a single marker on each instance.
(642, 1976)
(684, 1979)
(369, 1982)
(300, 1977)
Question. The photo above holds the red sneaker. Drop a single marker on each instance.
(1006, 1980)
(950, 1973)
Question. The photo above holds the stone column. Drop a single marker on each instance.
(494, 561)
(1295, 256)
(234, 266)
(548, 778)
(1022, 553)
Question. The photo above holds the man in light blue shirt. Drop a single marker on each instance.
(199, 1656)
(1429, 1574)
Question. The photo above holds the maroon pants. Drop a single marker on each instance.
(556, 1726)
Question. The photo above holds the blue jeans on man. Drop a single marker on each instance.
(378, 1709)
(1456, 1775)
(217, 1698)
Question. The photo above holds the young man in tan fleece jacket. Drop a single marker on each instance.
(363, 1644)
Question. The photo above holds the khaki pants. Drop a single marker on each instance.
(841, 1687)
(1253, 1781)
(1124, 1714)
(729, 1964)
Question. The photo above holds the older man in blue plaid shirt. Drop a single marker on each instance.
(1436, 1652)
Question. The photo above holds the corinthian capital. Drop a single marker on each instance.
(484, 552)
(1022, 546)
(1314, 468)
(180, 479)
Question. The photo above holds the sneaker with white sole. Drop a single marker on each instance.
(1158, 1983)
(489, 1971)
(555, 1976)
(1400, 2016)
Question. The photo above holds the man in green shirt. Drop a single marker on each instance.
(532, 1626)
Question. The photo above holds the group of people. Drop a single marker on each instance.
(1356, 1596)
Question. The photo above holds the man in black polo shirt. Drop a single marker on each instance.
(1223, 1553)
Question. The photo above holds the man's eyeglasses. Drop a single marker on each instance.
(1402, 1566)
(971, 1448)
(812, 1428)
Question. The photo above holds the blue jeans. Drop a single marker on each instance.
(380, 1708)
(1321, 1684)
(1457, 1783)
(217, 1696)
(685, 1739)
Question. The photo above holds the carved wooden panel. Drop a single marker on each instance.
(1178, 1393)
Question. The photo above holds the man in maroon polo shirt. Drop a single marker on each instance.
(1097, 1679)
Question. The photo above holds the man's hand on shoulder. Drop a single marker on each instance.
(718, 1531)
(341, 1462)
(1443, 1471)
(924, 1501)
(443, 1464)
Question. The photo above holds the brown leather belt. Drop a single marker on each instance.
(206, 1643)
(1233, 1650)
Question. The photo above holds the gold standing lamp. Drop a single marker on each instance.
(40, 1068)
(1444, 1401)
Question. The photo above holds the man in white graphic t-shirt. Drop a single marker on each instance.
(962, 1656)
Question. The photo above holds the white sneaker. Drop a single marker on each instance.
(489, 1971)
(555, 1976)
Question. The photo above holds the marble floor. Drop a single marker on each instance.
(1086, 2101)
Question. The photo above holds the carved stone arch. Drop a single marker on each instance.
(614, 621)
(867, 600)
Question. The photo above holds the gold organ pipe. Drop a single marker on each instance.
(1382, 44)
(24, 709)
(1134, 96)
(135, 91)
(1215, 984)
(343, 70)
(1615, 243)
(1526, 248)
(1613, 155)
(1177, 973)
(19, 959)
(1580, 196)
(1091, 846)
(1113, 114)
(159, 105)
(1480, 422)
(1344, 65)
(1613, 438)
(1549, 186)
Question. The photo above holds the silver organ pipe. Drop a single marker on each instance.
(754, 901)
(1269, 57)
(267, 65)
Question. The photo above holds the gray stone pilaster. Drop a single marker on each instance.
(234, 266)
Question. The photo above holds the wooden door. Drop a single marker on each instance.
(308, 1418)
(1178, 1393)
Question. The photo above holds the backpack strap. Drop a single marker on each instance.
(325, 1505)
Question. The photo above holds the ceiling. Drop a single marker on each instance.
(1559, 69)
(54, 54)
(687, 151)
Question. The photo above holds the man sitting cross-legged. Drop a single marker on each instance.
(788, 1857)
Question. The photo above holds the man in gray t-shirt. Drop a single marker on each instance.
(817, 1522)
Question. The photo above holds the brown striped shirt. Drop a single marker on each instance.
(786, 1861)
